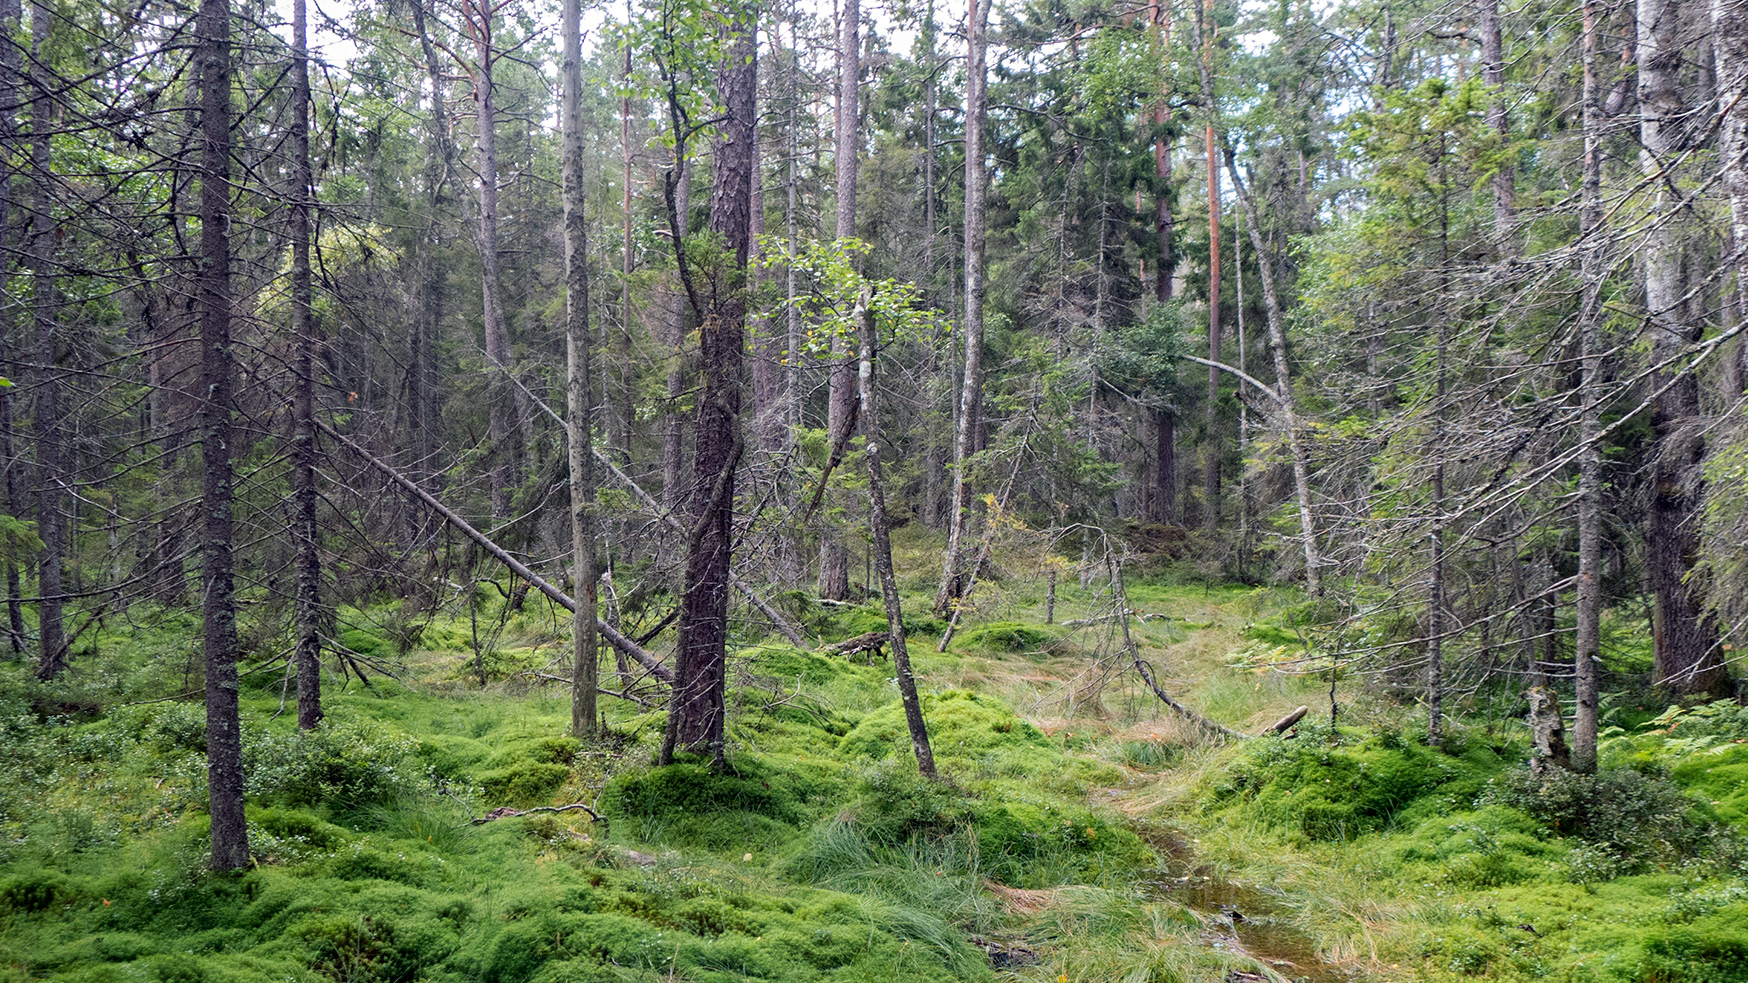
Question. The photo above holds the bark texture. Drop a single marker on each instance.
(585, 654)
(695, 716)
(308, 655)
(51, 525)
(976, 218)
(224, 746)
(881, 529)
(1686, 657)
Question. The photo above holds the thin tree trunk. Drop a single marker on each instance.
(507, 416)
(427, 335)
(1686, 659)
(303, 445)
(1493, 73)
(627, 370)
(674, 430)
(771, 427)
(1210, 443)
(791, 186)
(1586, 651)
(224, 747)
(696, 712)
(1730, 48)
(585, 646)
(613, 636)
(913, 708)
(1283, 387)
(1162, 193)
(51, 525)
(11, 16)
(971, 396)
(1165, 465)
(834, 555)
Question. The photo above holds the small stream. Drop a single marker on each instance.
(1247, 920)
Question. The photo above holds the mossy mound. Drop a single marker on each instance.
(1008, 637)
(1336, 791)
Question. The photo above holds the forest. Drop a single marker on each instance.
(1077, 490)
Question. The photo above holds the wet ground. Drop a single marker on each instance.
(1244, 919)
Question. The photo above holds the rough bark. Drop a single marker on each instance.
(424, 392)
(1165, 465)
(878, 525)
(1730, 49)
(696, 712)
(1588, 636)
(971, 393)
(51, 526)
(224, 747)
(585, 645)
(674, 422)
(308, 654)
(1686, 659)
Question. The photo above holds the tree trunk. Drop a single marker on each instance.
(1283, 387)
(1493, 73)
(695, 715)
(427, 420)
(51, 526)
(971, 396)
(224, 747)
(11, 16)
(1686, 659)
(627, 369)
(674, 428)
(585, 645)
(1211, 449)
(1162, 192)
(1587, 647)
(507, 416)
(767, 376)
(834, 555)
(913, 708)
(1730, 48)
(1165, 465)
(308, 654)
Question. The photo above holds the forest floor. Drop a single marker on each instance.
(1084, 833)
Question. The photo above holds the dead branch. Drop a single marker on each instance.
(617, 639)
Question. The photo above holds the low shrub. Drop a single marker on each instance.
(341, 764)
(1633, 822)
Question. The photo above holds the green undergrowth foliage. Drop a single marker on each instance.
(1079, 833)
(1631, 875)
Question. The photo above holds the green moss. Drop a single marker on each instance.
(961, 723)
(523, 782)
(37, 890)
(1340, 792)
(1008, 637)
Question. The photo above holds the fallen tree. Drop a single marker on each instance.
(614, 636)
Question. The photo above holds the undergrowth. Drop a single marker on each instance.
(1079, 835)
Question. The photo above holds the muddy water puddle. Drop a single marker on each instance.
(1247, 920)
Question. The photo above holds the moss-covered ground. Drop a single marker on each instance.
(1083, 833)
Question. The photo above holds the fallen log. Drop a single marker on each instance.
(1281, 725)
(871, 642)
(614, 636)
